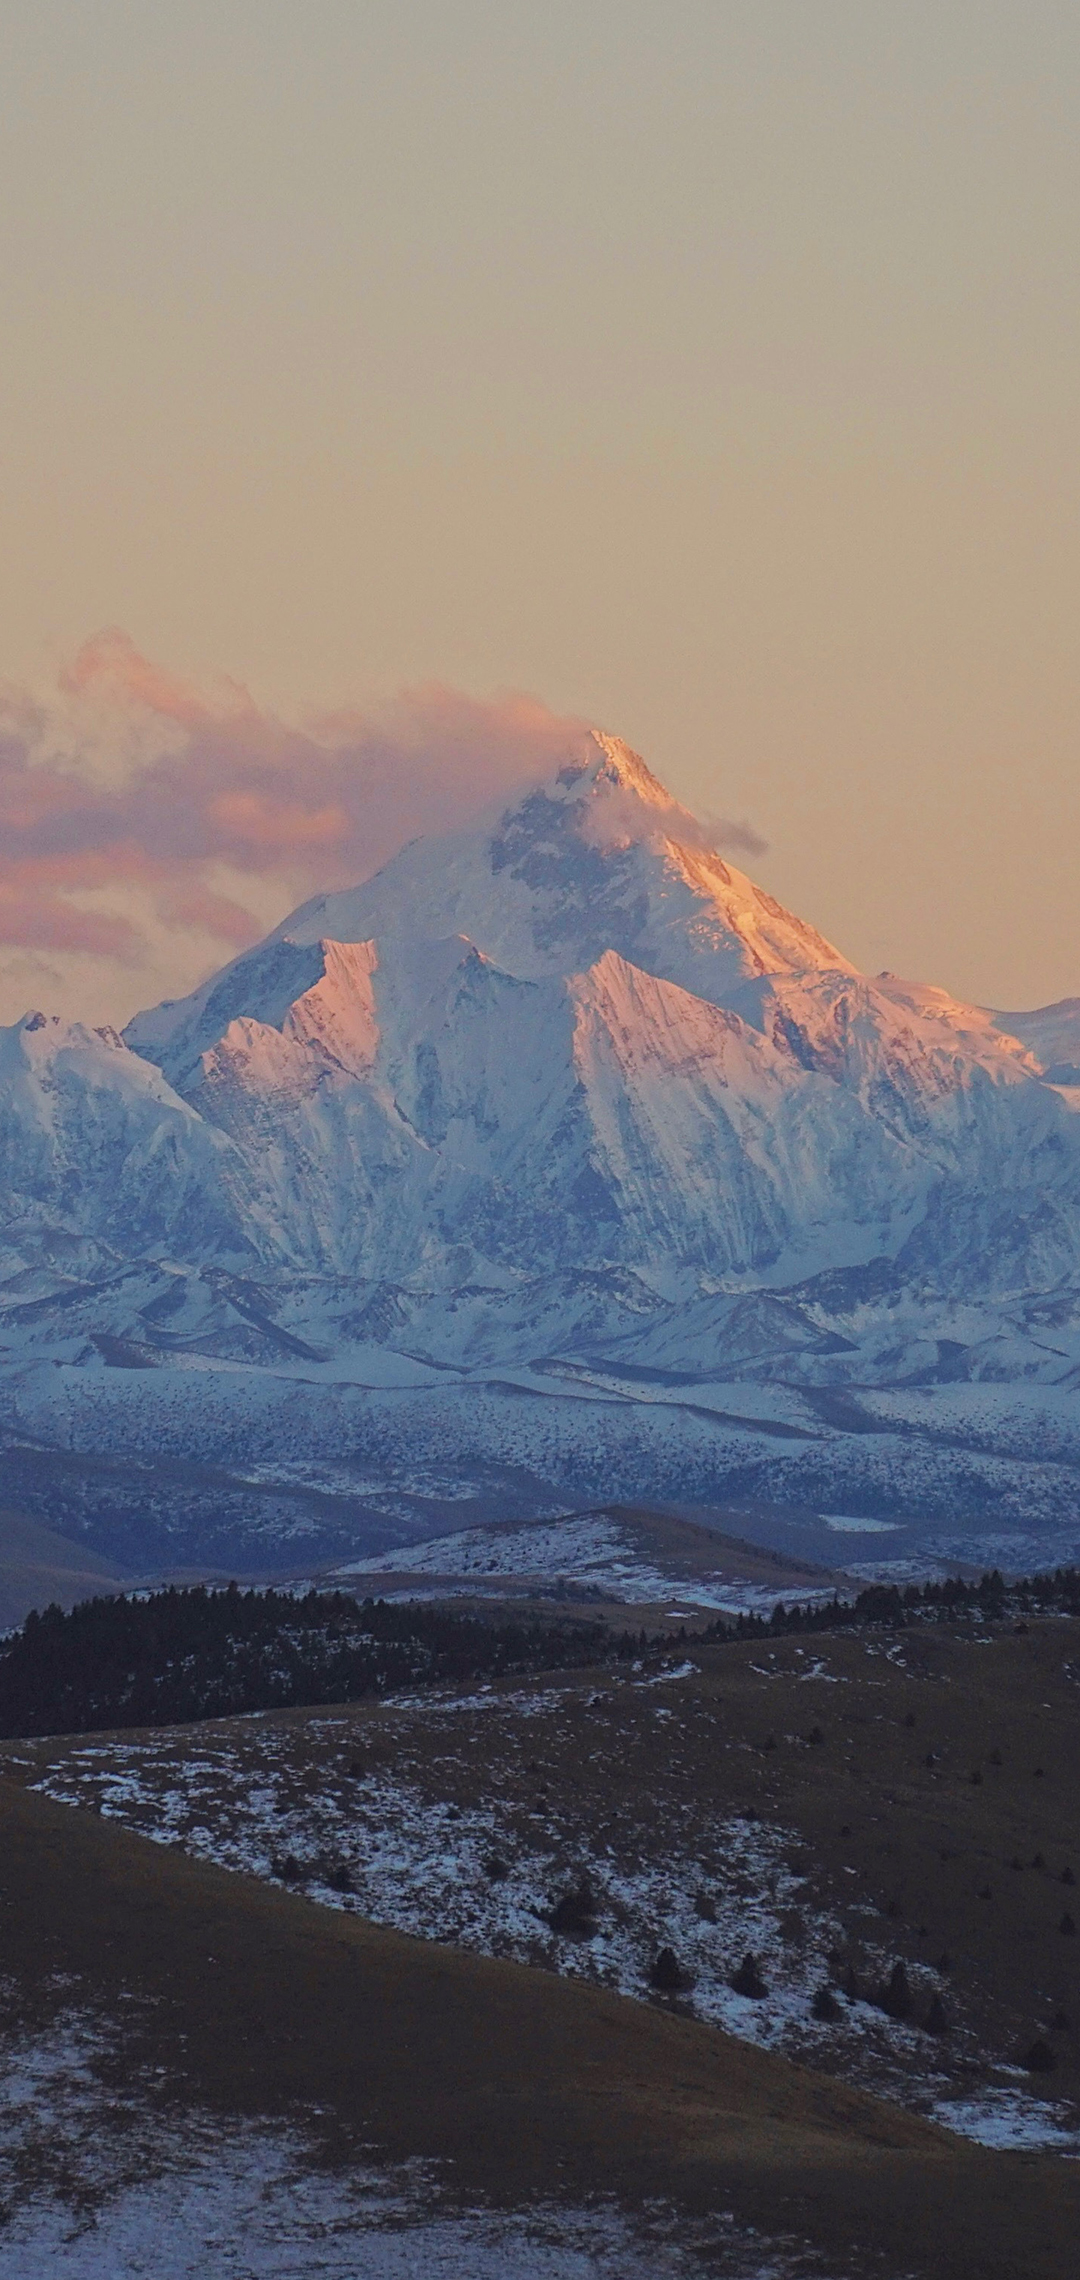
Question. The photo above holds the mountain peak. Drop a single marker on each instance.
(607, 762)
(598, 856)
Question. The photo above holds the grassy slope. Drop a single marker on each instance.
(528, 2084)
(920, 1846)
(37, 1565)
(684, 1551)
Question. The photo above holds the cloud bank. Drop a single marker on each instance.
(149, 829)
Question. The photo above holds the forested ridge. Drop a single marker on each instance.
(165, 1657)
(168, 1657)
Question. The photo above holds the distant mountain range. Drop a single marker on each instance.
(556, 1162)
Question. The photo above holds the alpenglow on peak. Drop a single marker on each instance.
(597, 856)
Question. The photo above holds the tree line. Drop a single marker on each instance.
(167, 1657)
(162, 1658)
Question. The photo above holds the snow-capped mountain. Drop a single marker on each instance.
(573, 1036)
(564, 1095)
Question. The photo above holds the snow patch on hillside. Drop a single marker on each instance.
(389, 1845)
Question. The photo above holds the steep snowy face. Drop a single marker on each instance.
(330, 1028)
(504, 1125)
(95, 1144)
(715, 1149)
(315, 992)
(918, 1061)
(598, 858)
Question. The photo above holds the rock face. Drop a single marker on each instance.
(564, 1090)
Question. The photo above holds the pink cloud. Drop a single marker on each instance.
(159, 797)
(279, 825)
(217, 781)
(109, 663)
(200, 910)
(44, 922)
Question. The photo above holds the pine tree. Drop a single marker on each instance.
(895, 1998)
(667, 1974)
(747, 1980)
(574, 1913)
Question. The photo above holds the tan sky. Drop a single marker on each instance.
(707, 371)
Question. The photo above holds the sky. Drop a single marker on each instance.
(389, 386)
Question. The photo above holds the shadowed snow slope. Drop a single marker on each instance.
(1051, 1035)
(94, 1141)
